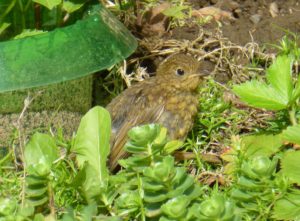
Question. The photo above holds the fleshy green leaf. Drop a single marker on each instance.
(92, 143)
(260, 95)
(263, 166)
(290, 166)
(176, 207)
(40, 153)
(214, 208)
(161, 170)
(142, 135)
(279, 75)
(128, 201)
(50, 4)
(292, 134)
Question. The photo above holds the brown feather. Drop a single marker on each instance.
(168, 99)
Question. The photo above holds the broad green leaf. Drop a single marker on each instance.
(90, 186)
(261, 145)
(292, 134)
(89, 211)
(27, 210)
(40, 153)
(92, 143)
(71, 7)
(260, 95)
(50, 4)
(279, 75)
(288, 208)
(4, 26)
(176, 11)
(39, 217)
(290, 166)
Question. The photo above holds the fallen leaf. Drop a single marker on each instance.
(216, 13)
(154, 22)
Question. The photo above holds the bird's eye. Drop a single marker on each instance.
(180, 72)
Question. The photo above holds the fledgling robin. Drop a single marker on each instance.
(170, 99)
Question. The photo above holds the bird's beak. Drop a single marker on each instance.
(203, 72)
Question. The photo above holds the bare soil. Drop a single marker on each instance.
(253, 20)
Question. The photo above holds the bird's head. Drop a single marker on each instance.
(181, 71)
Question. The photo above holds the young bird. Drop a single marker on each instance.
(170, 99)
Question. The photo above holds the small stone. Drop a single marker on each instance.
(255, 18)
(273, 9)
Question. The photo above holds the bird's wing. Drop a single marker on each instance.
(129, 110)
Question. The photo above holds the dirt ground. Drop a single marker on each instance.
(253, 21)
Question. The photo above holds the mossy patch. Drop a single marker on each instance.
(75, 96)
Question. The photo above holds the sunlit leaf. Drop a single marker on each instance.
(40, 153)
(260, 95)
(172, 145)
(50, 4)
(92, 143)
(7, 206)
(292, 134)
(217, 207)
(71, 7)
(29, 33)
(261, 145)
(176, 207)
(279, 75)
(288, 207)
(4, 26)
(176, 11)
(290, 166)
(296, 91)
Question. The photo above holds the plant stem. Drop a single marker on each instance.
(292, 114)
(296, 67)
(37, 16)
(59, 12)
(6, 157)
(51, 199)
(8, 9)
(21, 6)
